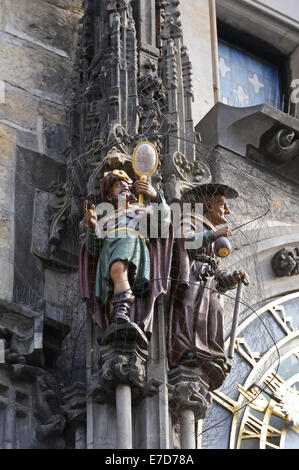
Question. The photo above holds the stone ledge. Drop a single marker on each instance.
(18, 309)
(264, 136)
(30, 332)
(235, 127)
(71, 5)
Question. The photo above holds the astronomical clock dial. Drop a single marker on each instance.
(262, 392)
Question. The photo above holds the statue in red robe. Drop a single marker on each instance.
(196, 323)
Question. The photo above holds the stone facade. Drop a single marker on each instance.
(37, 55)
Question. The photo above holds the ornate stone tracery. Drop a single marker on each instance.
(132, 82)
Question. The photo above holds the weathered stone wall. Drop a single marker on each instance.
(37, 50)
(7, 151)
(38, 40)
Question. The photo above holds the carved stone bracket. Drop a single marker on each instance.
(278, 151)
(190, 391)
(22, 331)
(74, 399)
(122, 368)
(30, 337)
(47, 410)
(171, 26)
(32, 343)
(123, 356)
(286, 262)
(281, 145)
(261, 134)
(183, 175)
(51, 229)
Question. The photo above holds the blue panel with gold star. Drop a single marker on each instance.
(247, 80)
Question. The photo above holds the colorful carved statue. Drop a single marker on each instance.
(196, 324)
(122, 270)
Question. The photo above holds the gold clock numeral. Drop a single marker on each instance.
(244, 350)
(274, 382)
(271, 407)
(254, 428)
(225, 401)
(284, 321)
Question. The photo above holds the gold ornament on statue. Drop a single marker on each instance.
(145, 162)
(222, 247)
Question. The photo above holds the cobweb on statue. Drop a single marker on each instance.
(59, 296)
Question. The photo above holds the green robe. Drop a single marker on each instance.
(123, 242)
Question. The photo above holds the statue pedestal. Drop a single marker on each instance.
(121, 379)
(189, 400)
(187, 429)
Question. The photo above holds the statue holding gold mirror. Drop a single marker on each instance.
(121, 272)
(145, 163)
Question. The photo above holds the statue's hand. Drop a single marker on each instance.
(145, 188)
(222, 232)
(90, 215)
(238, 275)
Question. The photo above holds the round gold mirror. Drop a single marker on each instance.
(145, 162)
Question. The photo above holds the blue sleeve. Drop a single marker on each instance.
(202, 239)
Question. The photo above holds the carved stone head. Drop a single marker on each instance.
(286, 262)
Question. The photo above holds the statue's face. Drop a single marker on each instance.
(120, 187)
(217, 210)
(120, 191)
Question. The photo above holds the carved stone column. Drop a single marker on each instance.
(124, 416)
(9, 423)
(189, 400)
(187, 427)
